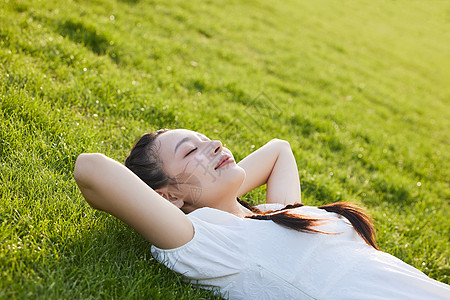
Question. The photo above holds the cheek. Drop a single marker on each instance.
(202, 163)
(200, 170)
(189, 186)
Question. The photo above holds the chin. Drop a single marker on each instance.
(234, 177)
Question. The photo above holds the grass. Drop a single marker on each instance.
(359, 88)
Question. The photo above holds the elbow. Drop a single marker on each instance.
(282, 146)
(85, 167)
(281, 142)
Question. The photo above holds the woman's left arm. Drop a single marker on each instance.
(274, 164)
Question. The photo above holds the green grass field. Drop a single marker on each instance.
(360, 89)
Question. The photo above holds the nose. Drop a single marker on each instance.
(217, 147)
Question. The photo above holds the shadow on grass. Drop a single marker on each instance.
(112, 261)
(89, 36)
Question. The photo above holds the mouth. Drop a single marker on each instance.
(226, 159)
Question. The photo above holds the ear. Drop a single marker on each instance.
(177, 202)
(174, 199)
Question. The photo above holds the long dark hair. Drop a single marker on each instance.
(356, 215)
(145, 163)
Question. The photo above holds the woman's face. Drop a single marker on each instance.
(195, 162)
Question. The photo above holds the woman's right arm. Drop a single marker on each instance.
(109, 186)
(273, 164)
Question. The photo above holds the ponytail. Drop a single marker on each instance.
(355, 215)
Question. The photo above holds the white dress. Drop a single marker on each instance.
(254, 259)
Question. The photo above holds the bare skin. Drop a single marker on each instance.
(198, 157)
(109, 186)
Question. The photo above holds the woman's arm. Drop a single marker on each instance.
(274, 164)
(109, 186)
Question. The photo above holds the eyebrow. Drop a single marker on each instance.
(181, 142)
(185, 140)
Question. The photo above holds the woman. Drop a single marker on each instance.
(185, 204)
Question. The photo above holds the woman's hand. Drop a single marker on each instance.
(273, 164)
(109, 186)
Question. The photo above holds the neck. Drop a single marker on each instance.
(237, 209)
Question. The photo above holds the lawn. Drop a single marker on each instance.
(359, 88)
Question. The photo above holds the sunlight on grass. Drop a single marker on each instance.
(359, 89)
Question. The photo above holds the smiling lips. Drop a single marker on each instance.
(226, 159)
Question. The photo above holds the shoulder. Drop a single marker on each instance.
(217, 248)
(213, 216)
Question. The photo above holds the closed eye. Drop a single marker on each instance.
(190, 152)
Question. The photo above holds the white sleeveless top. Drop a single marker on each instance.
(253, 259)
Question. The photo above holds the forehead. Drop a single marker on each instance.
(167, 142)
(169, 139)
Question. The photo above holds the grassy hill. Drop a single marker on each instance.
(359, 89)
